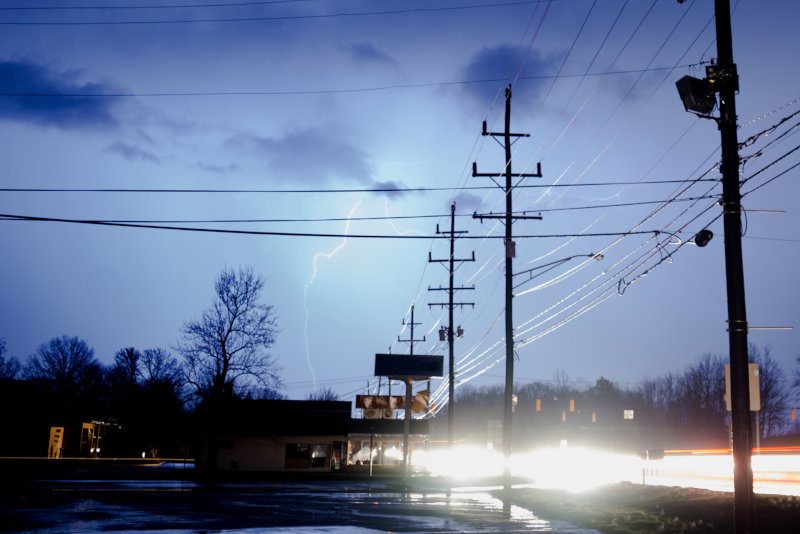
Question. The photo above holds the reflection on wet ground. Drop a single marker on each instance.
(324, 506)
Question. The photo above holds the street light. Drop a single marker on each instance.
(696, 95)
(702, 237)
(552, 265)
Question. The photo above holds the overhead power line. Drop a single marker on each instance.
(148, 6)
(134, 94)
(379, 217)
(275, 18)
(30, 218)
(325, 190)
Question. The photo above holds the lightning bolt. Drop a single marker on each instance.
(314, 269)
(393, 225)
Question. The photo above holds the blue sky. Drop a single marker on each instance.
(304, 126)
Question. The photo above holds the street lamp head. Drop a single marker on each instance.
(696, 95)
(598, 256)
(702, 237)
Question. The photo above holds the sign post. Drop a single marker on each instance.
(408, 369)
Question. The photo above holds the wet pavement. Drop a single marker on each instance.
(314, 507)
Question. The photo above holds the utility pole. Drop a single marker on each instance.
(450, 305)
(727, 81)
(411, 340)
(699, 97)
(409, 384)
(510, 247)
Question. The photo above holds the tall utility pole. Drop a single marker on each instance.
(726, 81)
(510, 247)
(411, 340)
(450, 305)
(409, 385)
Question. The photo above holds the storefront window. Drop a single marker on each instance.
(307, 456)
(319, 456)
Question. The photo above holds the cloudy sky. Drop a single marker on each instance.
(338, 98)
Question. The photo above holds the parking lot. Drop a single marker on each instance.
(331, 506)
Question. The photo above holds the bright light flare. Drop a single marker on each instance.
(463, 462)
(576, 469)
(572, 469)
(705, 468)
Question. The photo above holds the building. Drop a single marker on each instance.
(313, 436)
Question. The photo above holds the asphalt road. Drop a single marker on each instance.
(314, 507)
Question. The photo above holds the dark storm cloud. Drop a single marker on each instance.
(366, 52)
(466, 202)
(502, 63)
(309, 155)
(23, 77)
(385, 188)
(132, 152)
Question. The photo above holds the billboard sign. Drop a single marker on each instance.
(406, 367)
(382, 402)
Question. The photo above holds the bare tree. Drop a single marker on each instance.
(227, 348)
(66, 366)
(125, 370)
(796, 381)
(323, 394)
(772, 389)
(9, 367)
(159, 367)
(702, 393)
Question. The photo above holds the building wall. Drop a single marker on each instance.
(270, 454)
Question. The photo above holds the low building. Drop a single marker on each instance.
(289, 435)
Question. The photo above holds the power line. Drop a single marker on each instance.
(326, 190)
(767, 166)
(29, 218)
(133, 94)
(272, 18)
(377, 217)
(620, 204)
(771, 179)
(766, 131)
(150, 6)
(622, 274)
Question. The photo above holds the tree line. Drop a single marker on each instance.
(151, 397)
(673, 410)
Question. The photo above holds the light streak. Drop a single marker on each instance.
(578, 469)
(314, 269)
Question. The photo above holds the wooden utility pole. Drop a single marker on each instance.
(726, 82)
(450, 305)
(409, 385)
(510, 247)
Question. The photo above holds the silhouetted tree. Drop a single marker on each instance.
(228, 346)
(702, 393)
(796, 378)
(66, 367)
(255, 393)
(9, 367)
(146, 398)
(159, 367)
(126, 365)
(226, 351)
(323, 394)
(772, 389)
